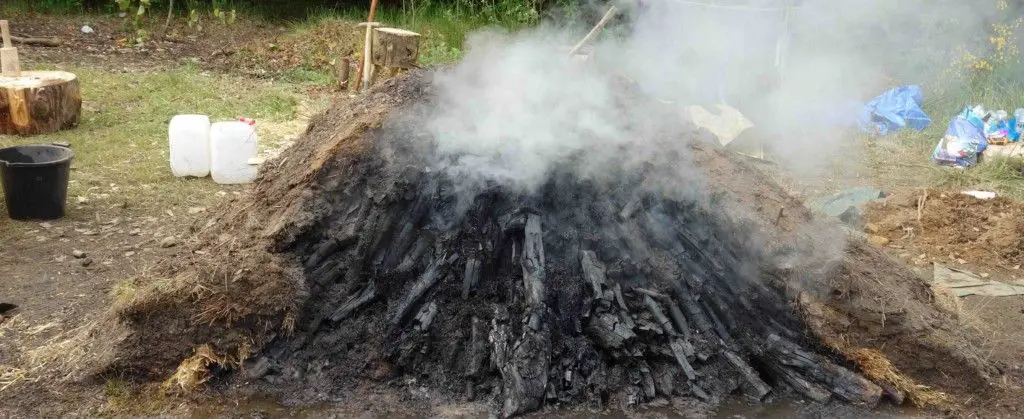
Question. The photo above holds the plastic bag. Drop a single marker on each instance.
(998, 127)
(895, 109)
(964, 141)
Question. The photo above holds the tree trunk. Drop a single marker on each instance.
(395, 48)
(39, 102)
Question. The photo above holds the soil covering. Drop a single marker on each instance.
(987, 232)
(357, 260)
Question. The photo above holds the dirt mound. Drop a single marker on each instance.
(357, 260)
(952, 227)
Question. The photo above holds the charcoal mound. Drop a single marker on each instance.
(359, 259)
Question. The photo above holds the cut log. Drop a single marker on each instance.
(395, 48)
(39, 102)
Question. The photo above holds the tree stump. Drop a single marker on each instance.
(39, 102)
(395, 48)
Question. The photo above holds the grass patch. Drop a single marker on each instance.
(121, 150)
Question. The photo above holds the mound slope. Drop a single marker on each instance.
(358, 260)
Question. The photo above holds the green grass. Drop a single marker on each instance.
(444, 29)
(121, 149)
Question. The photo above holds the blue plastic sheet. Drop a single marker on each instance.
(893, 110)
(964, 141)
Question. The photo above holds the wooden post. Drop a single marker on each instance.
(341, 70)
(9, 63)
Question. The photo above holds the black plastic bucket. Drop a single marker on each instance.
(35, 180)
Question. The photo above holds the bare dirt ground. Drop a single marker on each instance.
(56, 292)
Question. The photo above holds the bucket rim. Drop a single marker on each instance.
(69, 154)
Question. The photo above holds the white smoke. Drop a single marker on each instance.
(517, 106)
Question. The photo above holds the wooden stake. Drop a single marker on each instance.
(9, 63)
(5, 32)
(593, 32)
(363, 72)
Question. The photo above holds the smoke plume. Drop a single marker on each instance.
(518, 105)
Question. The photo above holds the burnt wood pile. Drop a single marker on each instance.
(603, 292)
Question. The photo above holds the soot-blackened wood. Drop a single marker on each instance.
(477, 347)
(800, 384)
(651, 296)
(327, 248)
(756, 387)
(679, 319)
(694, 311)
(422, 285)
(609, 331)
(593, 271)
(659, 316)
(680, 353)
(355, 303)
(524, 364)
(419, 249)
(840, 381)
(425, 317)
(533, 263)
(470, 276)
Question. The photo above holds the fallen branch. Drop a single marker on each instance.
(593, 32)
(46, 42)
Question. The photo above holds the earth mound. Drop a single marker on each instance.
(357, 259)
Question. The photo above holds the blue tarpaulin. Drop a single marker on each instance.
(895, 109)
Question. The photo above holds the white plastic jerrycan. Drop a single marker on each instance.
(189, 138)
(232, 152)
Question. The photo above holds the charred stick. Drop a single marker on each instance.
(757, 388)
(418, 250)
(679, 350)
(694, 310)
(719, 326)
(477, 347)
(327, 248)
(353, 304)
(659, 316)
(593, 271)
(427, 280)
(647, 380)
(470, 277)
(842, 382)
(426, 316)
(617, 289)
(332, 275)
(533, 262)
(800, 384)
(678, 318)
